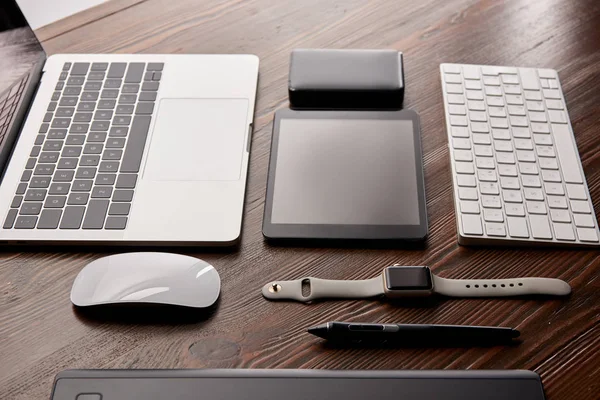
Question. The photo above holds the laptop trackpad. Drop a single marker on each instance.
(198, 140)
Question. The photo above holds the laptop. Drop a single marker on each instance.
(296, 385)
(121, 149)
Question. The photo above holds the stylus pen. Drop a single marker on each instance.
(412, 334)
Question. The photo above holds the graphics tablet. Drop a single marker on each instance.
(346, 175)
(296, 385)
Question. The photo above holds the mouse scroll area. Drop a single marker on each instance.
(147, 279)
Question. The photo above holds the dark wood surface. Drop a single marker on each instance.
(40, 334)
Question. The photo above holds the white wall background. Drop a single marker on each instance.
(44, 12)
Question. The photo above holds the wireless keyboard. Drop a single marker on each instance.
(516, 170)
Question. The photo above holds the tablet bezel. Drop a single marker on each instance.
(346, 232)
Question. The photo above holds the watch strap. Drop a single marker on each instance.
(500, 287)
(323, 289)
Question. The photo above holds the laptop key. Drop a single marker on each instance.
(105, 104)
(10, 218)
(35, 195)
(67, 163)
(55, 96)
(112, 83)
(40, 182)
(61, 123)
(57, 134)
(89, 161)
(102, 192)
(93, 85)
(125, 109)
(75, 140)
(109, 166)
(83, 117)
(96, 76)
(82, 186)
(97, 137)
(44, 169)
(119, 209)
(26, 175)
(99, 66)
(44, 128)
(117, 70)
(68, 102)
(93, 148)
(118, 131)
(71, 151)
(148, 75)
(135, 73)
(55, 202)
(52, 106)
(109, 94)
(89, 96)
(39, 139)
(100, 125)
(77, 199)
(148, 96)
(130, 88)
(128, 99)
(75, 81)
(16, 202)
(48, 117)
(65, 111)
(150, 86)
(59, 188)
(86, 106)
(35, 151)
(79, 128)
(95, 215)
(49, 219)
(80, 68)
(136, 143)
(49, 157)
(72, 91)
(112, 155)
(21, 188)
(145, 108)
(33, 208)
(85, 173)
(65, 175)
(157, 76)
(116, 223)
(155, 66)
(72, 217)
(30, 163)
(26, 222)
(115, 143)
(123, 196)
(52, 145)
(63, 76)
(106, 179)
(103, 115)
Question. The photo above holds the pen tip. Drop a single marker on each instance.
(318, 330)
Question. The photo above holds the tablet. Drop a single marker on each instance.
(346, 175)
(292, 384)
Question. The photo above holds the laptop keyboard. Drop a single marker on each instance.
(84, 165)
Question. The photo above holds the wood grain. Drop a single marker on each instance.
(40, 334)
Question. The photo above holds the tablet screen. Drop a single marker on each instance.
(346, 172)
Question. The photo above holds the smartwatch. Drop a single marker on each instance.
(411, 281)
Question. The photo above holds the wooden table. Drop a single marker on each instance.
(40, 334)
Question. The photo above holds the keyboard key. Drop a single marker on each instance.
(535, 116)
(458, 120)
(21, 188)
(49, 219)
(64, 175)
(567, 153)
(485, 163)
(96, 214)
(536, 106)
(560, 215)
(105, 104)
(93, 148)
(507, 170)
(45, 157)
(493, 91)
(495, 229)
(26, 222)
(153, 87)
(464, 144)
(483, 151)
(130, 88)
(512, 196)
(72, 91)
(554, 104)
(91, 86)
(123, 195)
(514, 99)
(505, 158)
(99, 66)
(469, 207)
(72, 217)
(26, 175)
(96, 76)
(119, 209)
(542, 139)
(112, 155)
(78, 199)
(487, 176)
(492, 215)
(509, 183)
(556, 202)
(82, 186)
(103, 115)
(554, 188)
(540, 227)
(85, 173)
(517, 227)
(115, 223)
(563, 231)
(97, 137)
(109, 94)
(514, 209)
(471, 224)
(452, 98)
(65, 111)
(109, 166)
(155, 66)
(55, 202)
(533, 194)
(491, 201)
(135, 73)
(128, 99)
(480, 127)
(126, 109)
(16, 202)
(550, 176)
(576, 192)
(136, 143)
(532, 181)
(106, 179)
(80, 68)
(145, 108)
(584, 220)
(121, 131)
(74, 140)
(71, 151)
(44, 169)
(102, 192)
(10, 218)
(503, 145)
(127, 181)
(89, 96)
(89, 161)
(532, 95)
(461, 168)
(59, 188)
(536, 207)
(489, 188)
(587, 235)
(79, 128)
(578, 206)
(117, 70)
(122, 120)
(467, 194)
(75, 81)
(495, 101)
(475, 105)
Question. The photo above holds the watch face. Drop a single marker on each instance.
(408, 278)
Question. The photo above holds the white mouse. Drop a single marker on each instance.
(147, 278)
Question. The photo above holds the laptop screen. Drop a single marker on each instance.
(20, 53)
